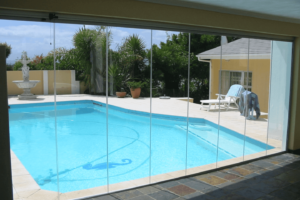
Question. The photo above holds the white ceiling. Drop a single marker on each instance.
(280, 10)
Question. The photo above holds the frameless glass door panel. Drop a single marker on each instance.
(81, 120)
(281, 61)
(203, 116)
(128, 68)
(233, 69)
(258, 86)
(31, 113)
(169, 104)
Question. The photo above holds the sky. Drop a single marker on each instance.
(36, 38)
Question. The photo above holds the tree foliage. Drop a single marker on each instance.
(130, 63)
(7, 48)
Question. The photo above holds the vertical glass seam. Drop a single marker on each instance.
(55, 110)
(219, 91)
(106, 61)
(150, 110)
(270, 79)
(188, 101)
(245, 128)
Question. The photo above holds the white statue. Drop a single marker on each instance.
(26, 84)
(25, 68)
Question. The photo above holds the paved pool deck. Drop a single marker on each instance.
(273, 178)
(25, 186)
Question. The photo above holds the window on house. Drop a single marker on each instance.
(229, 78)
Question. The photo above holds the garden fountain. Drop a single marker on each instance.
(26, 84)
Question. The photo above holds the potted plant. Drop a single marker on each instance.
(121, 94)
(119, 80)
(135, 88)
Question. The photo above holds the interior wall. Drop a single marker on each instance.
(294, 125)
(144, 11)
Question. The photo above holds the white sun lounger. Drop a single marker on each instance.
(232, 96)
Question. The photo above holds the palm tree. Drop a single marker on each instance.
(133, 51)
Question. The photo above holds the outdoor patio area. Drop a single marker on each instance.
(25, 186)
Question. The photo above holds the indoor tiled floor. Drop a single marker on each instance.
(276, 177)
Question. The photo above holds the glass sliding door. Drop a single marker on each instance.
(113, 108)
(31, 113)
(257, 99)
(170, 55)
(279, 97)
(81, 121)
(128, 57)
(232, 76)
(203, 115)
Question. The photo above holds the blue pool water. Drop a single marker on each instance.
(81, 151)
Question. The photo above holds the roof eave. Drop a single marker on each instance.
(235, 56)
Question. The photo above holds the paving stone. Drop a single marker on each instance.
(212, 180)
(142, 197)
(284, 195)
(234, 186)
(252, 175)
(219, 193)
(262, 164)
(105, 197)
(240, 171)
(127, 194)
(168, 184)
(185, 180)
(200, 186)
(224, 185)
(250, 193)
(284, 164)
(148, 190)
(232, 197)
(291, 177)
(163, 195)
(270, 181)
(227, 176)
(268, 197)
(262, 171)
(198, 196)
(238, 180)
(182, 190)
(293, 188)
(262, 187)
(251, 167)
(276, 183)
(274, 167)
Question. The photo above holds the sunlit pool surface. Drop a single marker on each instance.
(80, 161)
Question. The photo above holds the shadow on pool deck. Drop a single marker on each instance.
(276, 177)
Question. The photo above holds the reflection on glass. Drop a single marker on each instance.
(202, 125)
(233, 69)
(257, 99)
(81, 119)
(169, 105)
(281, 61)
(119, 108)
(128, 108)
(32, 124)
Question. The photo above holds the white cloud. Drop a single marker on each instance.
(36, 38)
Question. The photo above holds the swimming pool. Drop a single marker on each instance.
(82, 148)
